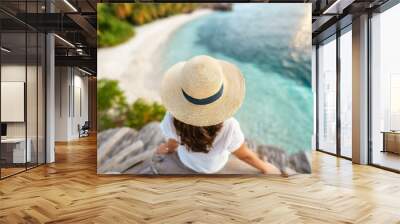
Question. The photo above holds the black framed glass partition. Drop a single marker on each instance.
(13, 90)
(334, 94)
(22, 101)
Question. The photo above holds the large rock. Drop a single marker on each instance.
(151, 135)
(274, 155)
(117, 138)
(120, 149)
(125, 150)
(105, 135)
(298, 161)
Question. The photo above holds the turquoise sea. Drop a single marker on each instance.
(268, 43)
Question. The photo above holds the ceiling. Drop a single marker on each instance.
(73, 22)
(332, 15)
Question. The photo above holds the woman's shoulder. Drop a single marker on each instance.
(168, 114)
(168, 118)
(233, 135)
(231, 120)
(231, 123)
(167, 126)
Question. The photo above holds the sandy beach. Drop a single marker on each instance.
(134, 63)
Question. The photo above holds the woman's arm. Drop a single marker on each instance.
(248, 156)
(169, 147)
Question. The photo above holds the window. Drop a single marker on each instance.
(346, 93)
(394, 102)
(327, 96)
(385, 89)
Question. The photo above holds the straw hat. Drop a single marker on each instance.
(202, 91)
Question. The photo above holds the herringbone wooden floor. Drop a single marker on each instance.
(69, 191)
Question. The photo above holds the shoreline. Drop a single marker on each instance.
(132, 63)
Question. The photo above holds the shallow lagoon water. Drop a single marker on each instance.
(268, 43)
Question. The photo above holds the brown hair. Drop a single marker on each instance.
(196, 139)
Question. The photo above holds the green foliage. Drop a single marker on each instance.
(142, 112)
(114, 111)
(111, 30)
(115, 20)
(109, 95)
(144, 13)
(111, 104)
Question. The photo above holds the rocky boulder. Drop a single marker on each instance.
(125, 150)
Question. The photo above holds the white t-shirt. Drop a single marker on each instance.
(228, 139)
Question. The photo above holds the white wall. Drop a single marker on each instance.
(81, 94)
(71, 87)
(62, 82)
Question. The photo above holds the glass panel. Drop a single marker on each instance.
(31, 88)
(327, 96)
(13, 86)
(22, 88)
(31, 97)
(41, 98)
(386, 89)
(346, 94)
(394, 102)
(314, 74)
